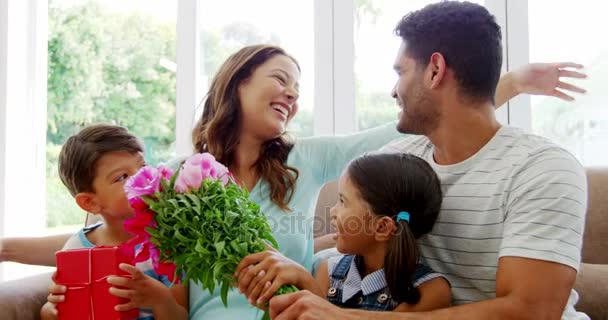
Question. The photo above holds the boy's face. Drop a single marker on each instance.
(113, 170)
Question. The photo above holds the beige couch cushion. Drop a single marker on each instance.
(327, 198)
(23, 298)
(595, 245)
(592, 287)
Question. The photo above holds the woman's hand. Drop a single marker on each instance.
(32, 250)
(325, 242)
(545, 79)
(142, 290)
(261, 274)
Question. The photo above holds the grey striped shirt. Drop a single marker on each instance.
(520, 195)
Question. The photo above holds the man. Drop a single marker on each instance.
(509, 233)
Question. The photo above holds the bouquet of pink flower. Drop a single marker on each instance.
(195, 224)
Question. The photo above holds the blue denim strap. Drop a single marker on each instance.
(342, 267)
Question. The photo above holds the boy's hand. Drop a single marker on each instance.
(142, 290)
(56, 295)
(48, 312)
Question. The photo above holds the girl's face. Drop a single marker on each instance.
(269, 98)
(354, 222)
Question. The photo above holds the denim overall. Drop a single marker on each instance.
(380, 300)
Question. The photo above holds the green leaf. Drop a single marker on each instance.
(224, 293)
(217, 269)
(219, 247)
(200, 248)
(243, 248)
(174, 177)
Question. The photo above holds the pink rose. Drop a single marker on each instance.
(162, 268)
(138, 205)
(144, 183)
(219, 171)
(136, 247)
(165, 172)
(142, 252)
(137, 224)
(167, 269)
(197, 168)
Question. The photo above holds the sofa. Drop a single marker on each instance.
(592, 280)
(22, 299)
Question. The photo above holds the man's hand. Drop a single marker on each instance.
(304, 305)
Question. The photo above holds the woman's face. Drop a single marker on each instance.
(269, 98)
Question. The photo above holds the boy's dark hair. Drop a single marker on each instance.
(467, 36)
(80, 153)
(392, 183)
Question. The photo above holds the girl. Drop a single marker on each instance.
(378, 217)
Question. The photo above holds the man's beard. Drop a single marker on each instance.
(422, 121)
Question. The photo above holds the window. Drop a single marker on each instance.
(582, 126)
(99, 73)
(108, 61)
(250, 23)
(375, 50)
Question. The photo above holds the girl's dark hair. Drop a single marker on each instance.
(392, 183)
(216, 131)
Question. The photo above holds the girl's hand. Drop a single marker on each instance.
(142, 290)
(545, 79)
(261, 274)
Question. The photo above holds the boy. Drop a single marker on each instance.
(94, 165)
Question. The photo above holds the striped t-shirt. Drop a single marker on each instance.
(79, 240)
(520, 195)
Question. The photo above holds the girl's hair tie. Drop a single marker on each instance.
(403, 216)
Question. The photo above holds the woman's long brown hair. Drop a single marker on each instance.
(216, 131)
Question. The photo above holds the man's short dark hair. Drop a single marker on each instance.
(467, 36)
(81, 152)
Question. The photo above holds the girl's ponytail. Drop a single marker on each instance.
(400, 263)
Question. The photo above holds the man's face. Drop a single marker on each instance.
(419, 113)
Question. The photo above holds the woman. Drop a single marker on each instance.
(249, 105)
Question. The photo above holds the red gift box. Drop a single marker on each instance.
(84, 273)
